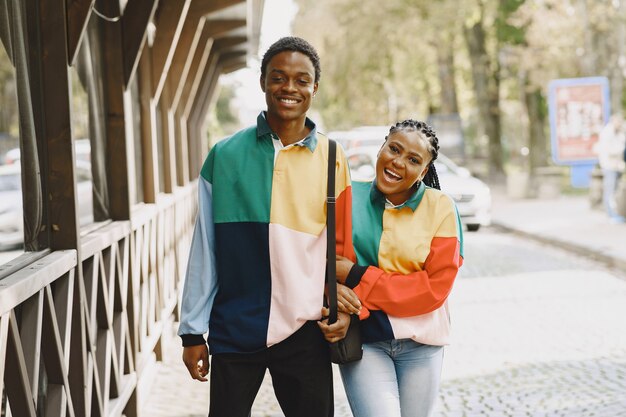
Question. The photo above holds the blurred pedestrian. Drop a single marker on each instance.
(256, 272)
(611, 149)
(409, 245)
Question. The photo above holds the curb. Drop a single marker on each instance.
(589, 253)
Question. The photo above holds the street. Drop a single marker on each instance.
(537, 332)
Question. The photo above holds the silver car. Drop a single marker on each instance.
(472, 196)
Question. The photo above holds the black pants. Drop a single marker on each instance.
(301, 374)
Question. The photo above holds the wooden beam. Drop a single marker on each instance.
(170, 17)
(137, 15)
(149, 147)
(222, 26)
(221, 64)
(190, 39)
(78, 13)
(193, 138)
(182, 152)
(116, 120)
(200, 60)
(202, 103)
(204, 7)
(234, 64)
(190, 91)
(51, 97)
(169, 146)
(183, 56)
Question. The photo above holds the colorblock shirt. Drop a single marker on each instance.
(407, 260)
(256, 270)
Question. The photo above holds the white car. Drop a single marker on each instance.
(472, 196)
(11, 211)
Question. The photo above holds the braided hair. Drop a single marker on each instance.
(431, 178)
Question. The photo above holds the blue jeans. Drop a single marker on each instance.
(395, 378)
(609, 187)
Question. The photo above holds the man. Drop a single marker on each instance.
(255, 278)
(610, 150)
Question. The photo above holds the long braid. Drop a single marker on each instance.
(431, 178)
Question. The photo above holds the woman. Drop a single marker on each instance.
(408, 241)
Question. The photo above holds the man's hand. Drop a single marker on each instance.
(336, 331)
(347, 300)
(196, 359)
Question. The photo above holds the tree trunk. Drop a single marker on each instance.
(617, 81)
(445, 60)
(487, 91)
(537, 144)
(589, 58)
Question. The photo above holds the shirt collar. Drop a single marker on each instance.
(264, 129)
(379, 198)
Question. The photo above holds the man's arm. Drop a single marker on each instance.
(201, 278)
(200, 284)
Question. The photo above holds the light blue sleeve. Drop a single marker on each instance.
(200, 284)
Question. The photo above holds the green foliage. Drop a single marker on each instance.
(9, 120)
(223, 110)
(221, 120)
(507, 32)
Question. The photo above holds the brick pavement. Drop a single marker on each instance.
(537, 332)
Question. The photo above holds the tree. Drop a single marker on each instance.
(382, 61)
(8, 97)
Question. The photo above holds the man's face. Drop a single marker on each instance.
(289, 84)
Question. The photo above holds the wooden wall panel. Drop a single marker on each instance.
(52, 97)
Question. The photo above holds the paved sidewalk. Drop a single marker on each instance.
(557, 318)
(566, 221)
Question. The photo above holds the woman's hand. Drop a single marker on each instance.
(347, 300)
(336, 331)
(343, 268)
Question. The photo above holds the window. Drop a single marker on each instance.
(88, 128)
(11, 210)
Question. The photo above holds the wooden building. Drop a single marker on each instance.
(83, 311)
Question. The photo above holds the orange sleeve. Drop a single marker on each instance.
(343, 217)
(343, 225)
(419, 292)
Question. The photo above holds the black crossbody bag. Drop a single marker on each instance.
(348, 349)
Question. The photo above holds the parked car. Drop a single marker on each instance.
(472, 196)
(82, 148)
(11, 219)
(361, 136)
(11, 211)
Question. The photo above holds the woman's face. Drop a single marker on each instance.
(402, 161)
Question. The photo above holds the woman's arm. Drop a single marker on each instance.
(420, 292)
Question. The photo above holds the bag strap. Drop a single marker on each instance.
(331, 273)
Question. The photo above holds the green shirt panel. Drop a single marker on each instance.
(240, 169)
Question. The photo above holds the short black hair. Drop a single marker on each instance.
(294, 44)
